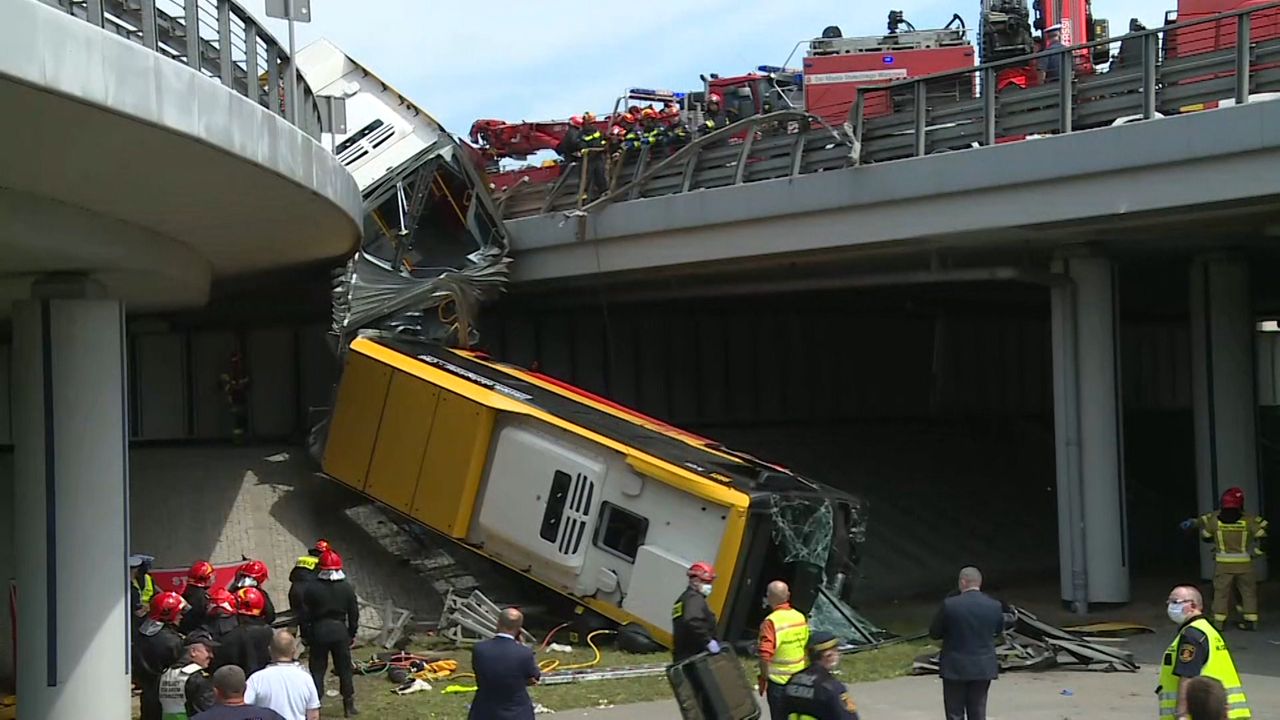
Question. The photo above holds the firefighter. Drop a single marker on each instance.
(185, 688)
(142, 586)
(196, 593)
(304, 571)
(221, 614)
(592, 153)
(248, 644)
(254, 574)
(693, 624)
(157, 645)
(677, 130)
(235, 385)
(652, 132)
(1197, 650)
(1237, 538)
(716, 117)
(781, 645)
(330, 619)
(814, 693)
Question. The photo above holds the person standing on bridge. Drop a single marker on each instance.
(1052, 64)
(967, 624)
(330, 619)
(783, 637)
(1237, 540)
(1197, 650)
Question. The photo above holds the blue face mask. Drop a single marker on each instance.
(1177, 612)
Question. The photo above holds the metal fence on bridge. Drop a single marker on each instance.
(218, 38)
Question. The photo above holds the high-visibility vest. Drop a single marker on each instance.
(791, 633)
(307, 561)
(1219, 667)
(173, 691)
(146, 590)
(1231, 540)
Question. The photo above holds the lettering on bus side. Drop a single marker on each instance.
(473, 377)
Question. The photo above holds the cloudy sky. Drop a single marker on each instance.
(543, 59)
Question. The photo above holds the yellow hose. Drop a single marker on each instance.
(552, 665)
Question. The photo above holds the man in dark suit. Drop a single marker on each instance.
(967, 624)
(504, 669)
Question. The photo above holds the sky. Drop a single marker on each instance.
(546, 59)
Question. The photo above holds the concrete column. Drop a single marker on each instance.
(1092, 534)
(1222, 385)
(71, 503)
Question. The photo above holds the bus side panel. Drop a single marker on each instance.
(402, 440)
(453, 464)
(353, 426)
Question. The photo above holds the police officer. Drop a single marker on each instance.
(254, 574)
(1237, 538)
(814, 693)
(693, 624)
(329, 622)
(196, 593)
(185, 688)
(304, 571)
(157, 645)
(142, 587)
(1197, 650)
(220, 615)
(248, 644)
(781, 645)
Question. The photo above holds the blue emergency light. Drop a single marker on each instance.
(887, 59)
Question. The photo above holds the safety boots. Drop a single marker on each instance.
(349, 707)
(1247, 625)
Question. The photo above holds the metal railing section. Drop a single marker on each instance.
(215, 37)
(761, 147)
(1175, 69)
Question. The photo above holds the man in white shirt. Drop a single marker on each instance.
(284, 686)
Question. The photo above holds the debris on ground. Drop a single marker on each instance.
(277, 458)
(540, 709)
(557, 647)
(1035, 645)
(469, 619)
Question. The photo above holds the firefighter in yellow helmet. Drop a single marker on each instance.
(1237, 538)
(1197, 650)
(781, 645)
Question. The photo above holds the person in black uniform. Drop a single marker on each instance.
(220, 616)
(254, 574)
(814, 693)
(156, 646)
(196, 593)
(693, 624)
(186, 686)
(304, 571)
(248, 645)
(330, 619)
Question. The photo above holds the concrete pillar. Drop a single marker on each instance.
(1089, 447)
(1222, 386)
(71, 503)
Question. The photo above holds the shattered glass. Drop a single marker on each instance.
(803, 530)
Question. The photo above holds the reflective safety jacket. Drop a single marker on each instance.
(1234, 542)
(790, 634)
(1219, 666)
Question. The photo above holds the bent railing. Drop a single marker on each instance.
(218, 38)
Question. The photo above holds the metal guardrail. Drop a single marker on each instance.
(215, 37)
(1174, 69)
(761, 147)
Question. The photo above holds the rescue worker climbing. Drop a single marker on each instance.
(305, 569)
(784, 634)
(693, 623)
(814, 693)
(235, 386)
(330, 619)
(248, 644)
(196, 593)
(157, 645)
(254, 574)
(1237, 540)
(185, 688)
(220, 616)
(1197, 650)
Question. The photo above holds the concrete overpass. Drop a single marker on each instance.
(1052, 186)
(149, 157)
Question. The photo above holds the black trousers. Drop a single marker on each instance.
(773, 695)
(149, 699)
(965, 699)
(319, 663)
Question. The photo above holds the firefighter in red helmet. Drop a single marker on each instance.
(196, 593)
(157, 644)
(254, 574)
(235, 385)
(248, 645)
(304, 571)
(221, 614)
(1236, 537)
(716, 116)
(330, 619)
(693, 623)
